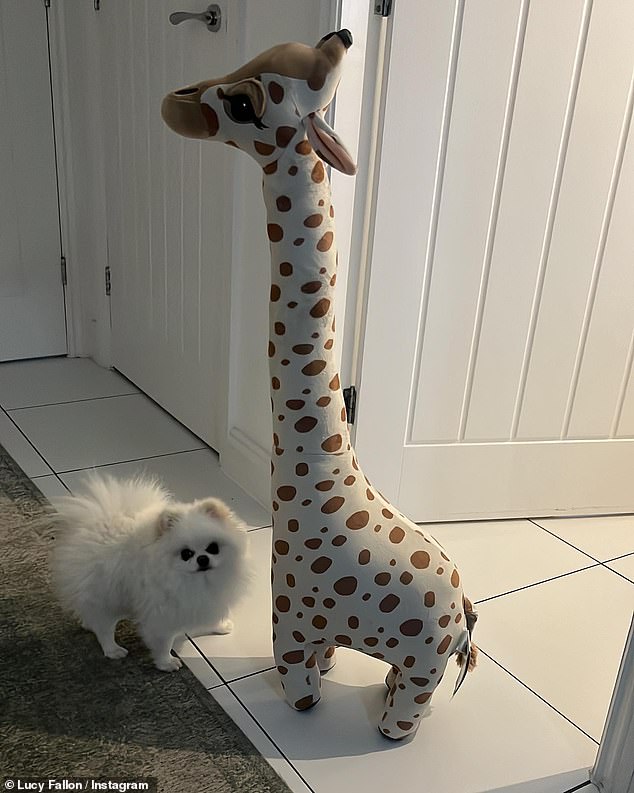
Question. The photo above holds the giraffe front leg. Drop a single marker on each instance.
(406, 702)
(391, 676)
(299, 673)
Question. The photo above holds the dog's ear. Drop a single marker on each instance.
(214, 508)
(165, 522)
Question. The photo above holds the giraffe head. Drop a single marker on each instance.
(275, 100)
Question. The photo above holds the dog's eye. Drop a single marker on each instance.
(186, 554)
(212, 548)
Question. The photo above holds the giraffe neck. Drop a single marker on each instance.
(307, 403)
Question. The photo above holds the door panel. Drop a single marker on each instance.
(503, 243)
(32, 320)
(167, 222)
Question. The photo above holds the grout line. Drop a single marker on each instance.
(538, 583)
(46, 476)
(557, 537)
(616, 572)
(31, 444)
(227, 685)
(73, 401)
(528, 688)
(616, 558)
(251, 674)
(226, 681)
(259, 528)
(207, 661)
(579, 787)
(191, 639)
(132, 460)
(283, 755)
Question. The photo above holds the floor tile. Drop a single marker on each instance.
(189, 475)
(498, 556)
(227, 700)
(624, 566)
(603, 537)
(86, 434)
(186, 651)
(20, 449)
(50, 380)
(50, 486)
(249, 647)
(564, 639)
(470, 744)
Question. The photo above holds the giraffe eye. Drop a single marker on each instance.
(240, 109)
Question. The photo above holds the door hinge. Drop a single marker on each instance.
(63, 268)
(350, 401)
(108, 281)
(383, 8)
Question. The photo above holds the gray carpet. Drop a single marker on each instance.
(67, 711)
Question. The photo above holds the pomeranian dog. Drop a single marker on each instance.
(125, 549)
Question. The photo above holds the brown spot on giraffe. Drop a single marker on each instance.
(314, 367)
(276, 92)
(283, 136)
(263, 148)
(303, 147)
(325, 242)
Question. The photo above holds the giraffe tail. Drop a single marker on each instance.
(468, 655)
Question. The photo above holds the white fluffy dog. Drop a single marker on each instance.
(126, 550)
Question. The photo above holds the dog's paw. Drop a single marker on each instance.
(222, 627)
(116, 652)
(169, 664)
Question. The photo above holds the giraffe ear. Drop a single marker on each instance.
(328, 145)
(254, 90)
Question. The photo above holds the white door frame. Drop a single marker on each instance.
(613, 770)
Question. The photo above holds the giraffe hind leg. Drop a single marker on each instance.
(405, 704)
(325, 655)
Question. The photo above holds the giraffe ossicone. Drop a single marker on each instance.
(348, 569)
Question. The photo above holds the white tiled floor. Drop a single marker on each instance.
(555, 599)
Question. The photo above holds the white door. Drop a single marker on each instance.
(167, 222)
(497, 361)
(32, 320)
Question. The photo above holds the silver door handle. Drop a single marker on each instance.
(211, 17)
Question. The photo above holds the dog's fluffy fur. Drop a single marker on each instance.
(125, 549)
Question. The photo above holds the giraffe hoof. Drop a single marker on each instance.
(306, 702)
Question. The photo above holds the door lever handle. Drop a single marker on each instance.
(212, 17)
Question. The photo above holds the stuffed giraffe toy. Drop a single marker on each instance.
(347, 568)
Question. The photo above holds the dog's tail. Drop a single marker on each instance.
(471, 616)
(105, 500)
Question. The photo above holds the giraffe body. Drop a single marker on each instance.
(347, 568)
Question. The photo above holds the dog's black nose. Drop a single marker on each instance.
(203, 561)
